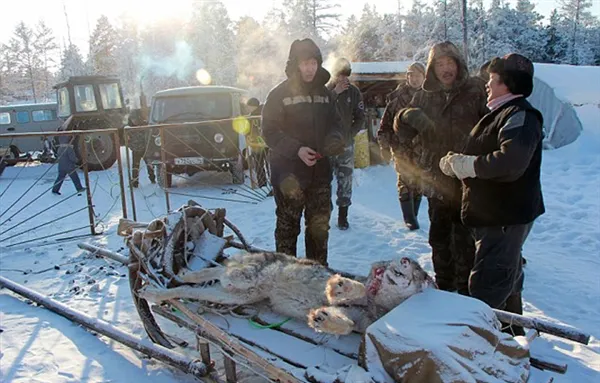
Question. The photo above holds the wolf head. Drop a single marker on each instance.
(393, 282)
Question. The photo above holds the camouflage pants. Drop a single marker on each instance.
(343, 166)
(137, 157)
(452, 246)
(315, 203)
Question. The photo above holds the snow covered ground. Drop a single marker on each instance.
(562, 273)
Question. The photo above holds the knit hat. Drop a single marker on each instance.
(341, 66)
(416, 67)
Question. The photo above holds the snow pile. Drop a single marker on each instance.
(438, 336)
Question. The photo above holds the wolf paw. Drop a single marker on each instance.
(330, 320)
(339, 290)
(150, 293)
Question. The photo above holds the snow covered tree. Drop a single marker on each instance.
(478, 49)
(71, 63)
(27, 62)
(577, 18)
(127, 53)
(166, 60)
(527, 34)
(418, 28)
(212, 40)
(46, 48)
(310, 18)
(500, 23)
(103, 43)
(555, 45)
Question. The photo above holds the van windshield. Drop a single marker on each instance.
(200, 107)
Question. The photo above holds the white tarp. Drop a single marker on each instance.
(436, 336)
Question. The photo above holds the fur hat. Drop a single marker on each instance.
(444, 49)
(515, 71)
(416, 67)
(341, 66)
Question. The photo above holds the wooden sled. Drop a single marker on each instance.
(270, 345)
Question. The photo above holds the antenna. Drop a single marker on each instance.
(67, 20)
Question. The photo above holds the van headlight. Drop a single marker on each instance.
(157, 141)
(219, 138)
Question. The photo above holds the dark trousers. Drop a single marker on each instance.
(498, 271)
(452, 247)
(62, 174)
(315, 203)
(137, 157)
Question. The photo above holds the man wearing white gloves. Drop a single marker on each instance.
(500, 173)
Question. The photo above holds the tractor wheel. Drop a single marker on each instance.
(100, 147)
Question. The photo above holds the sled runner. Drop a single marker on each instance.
(193, 243)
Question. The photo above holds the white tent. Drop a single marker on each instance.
(557, 91)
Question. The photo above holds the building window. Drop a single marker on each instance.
(4, 118)
(43, 115)
(22, 117)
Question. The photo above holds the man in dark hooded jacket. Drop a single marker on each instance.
(302, 129)
(442, 115)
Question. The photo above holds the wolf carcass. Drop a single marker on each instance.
(302, 289)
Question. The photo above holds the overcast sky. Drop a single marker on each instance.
(84, 13)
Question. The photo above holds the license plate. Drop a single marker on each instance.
(189, 161)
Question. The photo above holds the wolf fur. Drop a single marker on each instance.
(300, 288)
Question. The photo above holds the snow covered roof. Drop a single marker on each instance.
(573, 84)
(196, 90)
(380, 67)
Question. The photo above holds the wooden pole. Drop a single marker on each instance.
(274, 372)
(104, 252)
(131, 193)
(117, 142)
(145, 346)
(164, 165)
(86, 176)
(543, 326)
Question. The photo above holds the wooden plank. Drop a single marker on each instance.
(345, 345)
(232, 345)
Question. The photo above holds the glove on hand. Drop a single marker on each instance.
(417, 119)
(463, 166)
(445, 165)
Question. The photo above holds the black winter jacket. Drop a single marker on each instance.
(507, 189)
(299, 114)
(351, 108)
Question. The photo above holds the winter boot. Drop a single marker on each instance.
(343, 218)
(417, 204)
(408, 212)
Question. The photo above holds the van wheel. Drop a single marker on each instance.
(16, 153)
(164, 176)
(237, 170)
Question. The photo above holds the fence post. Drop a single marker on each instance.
(88, 191)
(131, 193)
(117, 143)
(164, 166)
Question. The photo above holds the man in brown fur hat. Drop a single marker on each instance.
(441, 116)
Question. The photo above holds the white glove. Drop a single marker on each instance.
(462, 165)
(445, 165)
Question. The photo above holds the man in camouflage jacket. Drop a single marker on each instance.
(405, 155)
(442, 115)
